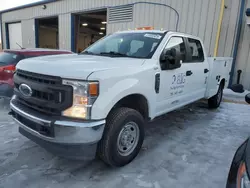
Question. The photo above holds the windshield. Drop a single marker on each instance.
(9, 59)
(135, 45)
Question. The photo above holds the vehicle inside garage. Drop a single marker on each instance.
(88, 28)
(47, 33)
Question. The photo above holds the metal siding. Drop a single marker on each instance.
(228, 29)
(209, 25)
(214, 28)
(183, 19)
(173, 16)
(243, 58)
(65, 32)
(198, 17)
(28, 33)
(190, 15)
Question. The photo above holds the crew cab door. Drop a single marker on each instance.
(197, 70)
(173, 84)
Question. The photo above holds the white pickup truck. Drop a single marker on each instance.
(97, 102)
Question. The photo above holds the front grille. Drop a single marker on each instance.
(40, 78)
(49, 96)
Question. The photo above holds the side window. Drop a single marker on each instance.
(178, 44)
(196, 50)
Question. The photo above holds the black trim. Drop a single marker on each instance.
(248, 12)
(37, 33)
(49, 95)
(189, 51)
(46, 130)
(73, 39)
(239, 157)
(1, 26)
(71, 151)
(7, 36)
(157, 82)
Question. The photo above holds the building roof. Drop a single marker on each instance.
(28, 5)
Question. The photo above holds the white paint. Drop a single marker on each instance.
(15, 35)
(120, 77)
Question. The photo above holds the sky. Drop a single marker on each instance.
(6, 4)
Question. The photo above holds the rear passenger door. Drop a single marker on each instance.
(198, 70)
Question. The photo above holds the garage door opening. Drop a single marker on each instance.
(88, 28)
(47, 33)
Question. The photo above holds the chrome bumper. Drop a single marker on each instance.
(64, 132)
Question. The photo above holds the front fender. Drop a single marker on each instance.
(110, 95)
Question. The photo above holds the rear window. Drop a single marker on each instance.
(9, 59)
(196, 50)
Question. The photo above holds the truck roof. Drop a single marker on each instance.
(143, 31)
(159, 31)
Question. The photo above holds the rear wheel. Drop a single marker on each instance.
(215, 101)
(123, 137)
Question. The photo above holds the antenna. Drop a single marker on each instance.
(19, 45)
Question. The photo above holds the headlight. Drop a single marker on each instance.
(84, 96)
(242, 177)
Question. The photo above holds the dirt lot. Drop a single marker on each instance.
(192, 147)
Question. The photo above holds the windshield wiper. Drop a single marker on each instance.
(114, 54)
(87, 52)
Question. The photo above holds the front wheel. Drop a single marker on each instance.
(123, 137)
(215, 101)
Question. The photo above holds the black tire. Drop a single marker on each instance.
(108, 149)
(248, 98)
(215, 101)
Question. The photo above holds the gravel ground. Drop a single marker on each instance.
(192, 147)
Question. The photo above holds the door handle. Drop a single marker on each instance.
(189, 73)
(206, 71)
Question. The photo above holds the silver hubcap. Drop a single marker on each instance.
(128, 139)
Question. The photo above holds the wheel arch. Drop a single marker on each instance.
(135, 101)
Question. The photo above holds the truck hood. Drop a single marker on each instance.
(75, 66)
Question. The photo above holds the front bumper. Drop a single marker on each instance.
(6, 90)
(71, 139)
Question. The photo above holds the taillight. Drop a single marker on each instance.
(9, 69)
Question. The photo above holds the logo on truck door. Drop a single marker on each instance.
(178, 84)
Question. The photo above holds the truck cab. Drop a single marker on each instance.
(97, 102)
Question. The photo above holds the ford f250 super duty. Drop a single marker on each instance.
(97, 102)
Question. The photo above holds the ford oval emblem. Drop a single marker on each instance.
(25, 90)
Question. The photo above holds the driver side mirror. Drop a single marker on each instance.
(248, 98)
(170, 59)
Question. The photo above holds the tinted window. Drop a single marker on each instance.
(179, 45)
(9, 59)
(137, 45)
(196, 50)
